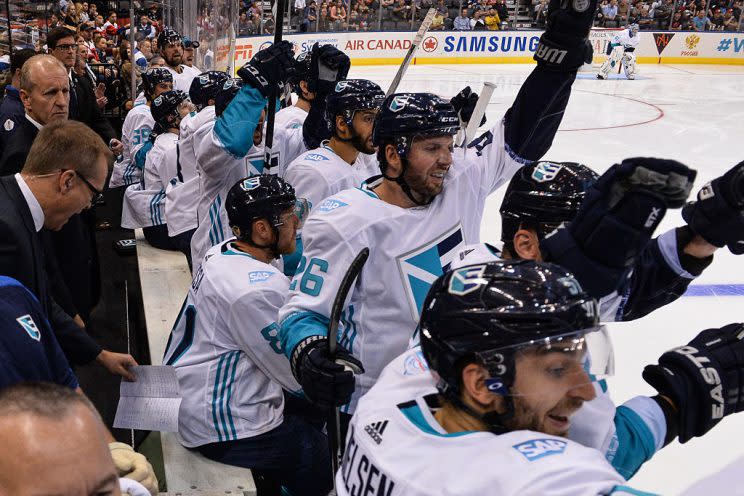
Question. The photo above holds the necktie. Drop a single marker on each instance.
(73, 99)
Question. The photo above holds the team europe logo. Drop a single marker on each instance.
(466, 280)
(546, 171)
(421, 267)
(399, 103)
(28, 325)
(251, 183)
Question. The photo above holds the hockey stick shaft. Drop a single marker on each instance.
(269, 160)
(425, 25)
(334, 421)
(479, 111)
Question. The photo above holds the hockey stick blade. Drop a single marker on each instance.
(425, 25)
(334, 421)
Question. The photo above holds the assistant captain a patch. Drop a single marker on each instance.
(28, 325)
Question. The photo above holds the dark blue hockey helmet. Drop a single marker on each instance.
(165, 108)
(169, 36)
(491, 313)
(405, 116)
(542, 196)
(302, 67)
(226, 94)
(151, 78)
(351, 95)
(206, 86)
(260, 196)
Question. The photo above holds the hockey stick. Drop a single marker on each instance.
(269, 159)
(425, 25)
(465, 135)
(334, 423)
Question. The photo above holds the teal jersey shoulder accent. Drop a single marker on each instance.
(141, 155)
(636, 443)
(416, 417)
(619, 490)
(299, 326)
(234, 128)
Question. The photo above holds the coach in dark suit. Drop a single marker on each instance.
(64, 173)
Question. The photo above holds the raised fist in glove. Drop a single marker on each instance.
(617, 218)
(328, 66)
(133, 465)
(464, 103)
(704, 379)
(718, 213)
(563, 46)
(326, 383)
(269, 68)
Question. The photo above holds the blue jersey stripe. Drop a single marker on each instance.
(223, 388)
(214, 399)
(229, 395)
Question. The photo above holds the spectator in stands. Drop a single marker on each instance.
(71, 17)
(503, 11)
(337, 13)
(730, 23)
(701, 22)
(402, 11)
(541, 12)
(56, 443)
(83, 11)
(645, 19)
(610, 13)
(101, 48)
(98, 24)
(492, 20)
(86, 32)
(145, 29)
(663, 13)
(92, 11)
(462, 22)
(437, 23)
(269, 24)
(156, 61)
(110, 27)
(12, 113)
(64, 173)
(298, 8)
(623, 11)
(324, 22)
(718, 20)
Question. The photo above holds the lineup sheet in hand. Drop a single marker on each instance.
(152, 402)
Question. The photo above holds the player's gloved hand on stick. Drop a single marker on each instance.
(326, 383)
(133, 465)
(718, 213)
(562, 47)
(328, 66)
(704, 379)
(617, 219)
(269, 68)
(464, 103)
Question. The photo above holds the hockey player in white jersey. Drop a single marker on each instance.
(227, 355)
(182, 193)
(621, 50)
(170, 44)
(350, 113)
(136, 130)
(144, 204)
(508, 343)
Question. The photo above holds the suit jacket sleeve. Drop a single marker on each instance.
(58, 287)
(78, 346)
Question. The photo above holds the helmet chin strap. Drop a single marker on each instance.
(495, 421)
(273, 247)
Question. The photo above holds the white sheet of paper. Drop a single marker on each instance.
(152, 402)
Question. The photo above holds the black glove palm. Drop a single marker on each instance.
(718, 213)
(704, 379)
(464, 103)
(328, 66)
(269, 68)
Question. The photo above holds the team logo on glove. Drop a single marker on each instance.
(580, 5)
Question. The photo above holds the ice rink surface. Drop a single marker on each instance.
(691, 113)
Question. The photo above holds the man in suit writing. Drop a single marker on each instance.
(63, 175)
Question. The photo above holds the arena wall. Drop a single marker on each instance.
(503, 47)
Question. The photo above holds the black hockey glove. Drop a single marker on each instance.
(718, 214)
(464, 103)
(562, 47)
(326, 383)
(704, 379)
(328, 66)
(617, 219)
(269, 68)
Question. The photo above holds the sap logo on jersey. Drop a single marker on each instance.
(538, 448)
(316, 157)
(330, 205)
(28, 325)
(259, 276)
(466, 280)
(251, 183)
(546, 171)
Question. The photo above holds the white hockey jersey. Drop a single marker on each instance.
(135, 132)
(182, 195)
(409, 249)
(623, 38)
(183, 80)
(395, 447)
(144, 203)
(290, 117)
(320, 173)
(225, 348)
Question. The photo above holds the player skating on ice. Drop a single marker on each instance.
(621, 50)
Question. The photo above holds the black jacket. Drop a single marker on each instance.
(86, 109)
(22, 257)
(16, 148)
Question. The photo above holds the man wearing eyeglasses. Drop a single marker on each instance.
(63, 175)
(83, 107)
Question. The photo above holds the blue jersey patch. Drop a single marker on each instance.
(538, 448)
(28, 325)
(330, 205)
(315, 157)
(259, 276)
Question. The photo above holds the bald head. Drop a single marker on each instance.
(45, 89)
(37, 67)
(54, 443)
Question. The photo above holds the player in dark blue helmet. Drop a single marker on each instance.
(170, 44)
(155, 81)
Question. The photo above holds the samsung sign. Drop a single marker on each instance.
(494, 43)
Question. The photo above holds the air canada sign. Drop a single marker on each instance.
(377, 44)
